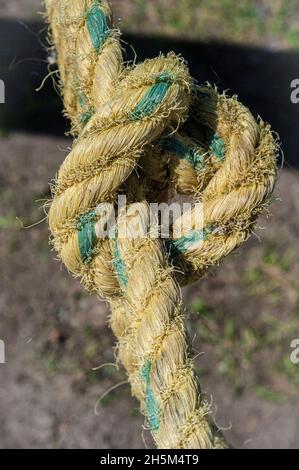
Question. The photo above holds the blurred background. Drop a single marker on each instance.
(242, 317)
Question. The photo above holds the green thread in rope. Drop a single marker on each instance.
(87, 114)
(84, 118)
(87, 236)
(178, 148)
(97, 26)
(81, 100)
(152, 407)
(216, 144)
(152, 98)
(183, 244)
(119, 266)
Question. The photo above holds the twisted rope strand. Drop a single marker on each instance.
(181, 138)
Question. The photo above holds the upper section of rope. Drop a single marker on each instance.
(180, 136)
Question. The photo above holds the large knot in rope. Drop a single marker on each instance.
(148, 132)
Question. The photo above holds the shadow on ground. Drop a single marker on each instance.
(260, 77)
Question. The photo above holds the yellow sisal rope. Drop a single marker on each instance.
(150, 132)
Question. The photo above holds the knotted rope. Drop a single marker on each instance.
(149, 132)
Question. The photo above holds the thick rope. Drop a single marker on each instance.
(151, 121)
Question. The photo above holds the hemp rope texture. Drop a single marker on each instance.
(148, 131)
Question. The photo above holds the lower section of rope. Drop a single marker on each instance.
(153, 346)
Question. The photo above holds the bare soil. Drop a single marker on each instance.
(242, 317)
(55, 333)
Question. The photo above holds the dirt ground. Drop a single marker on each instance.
(242, 317)
(55, 333)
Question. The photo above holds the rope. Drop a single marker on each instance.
(149, 132)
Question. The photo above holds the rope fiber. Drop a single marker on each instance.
(149, 132)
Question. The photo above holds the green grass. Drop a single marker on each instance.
(289, 370)
(270, 395)
(239, 21)
(239, 345)
(134, 413)
(43, 248)
(271, 277)
(274, 256)
(51, 363)
(280, 23)
(197, 306)
(8, 221)
(7, 195)
(109, 399)
(254, 275)
(237, 16)
(92, 350)
(180, 18)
